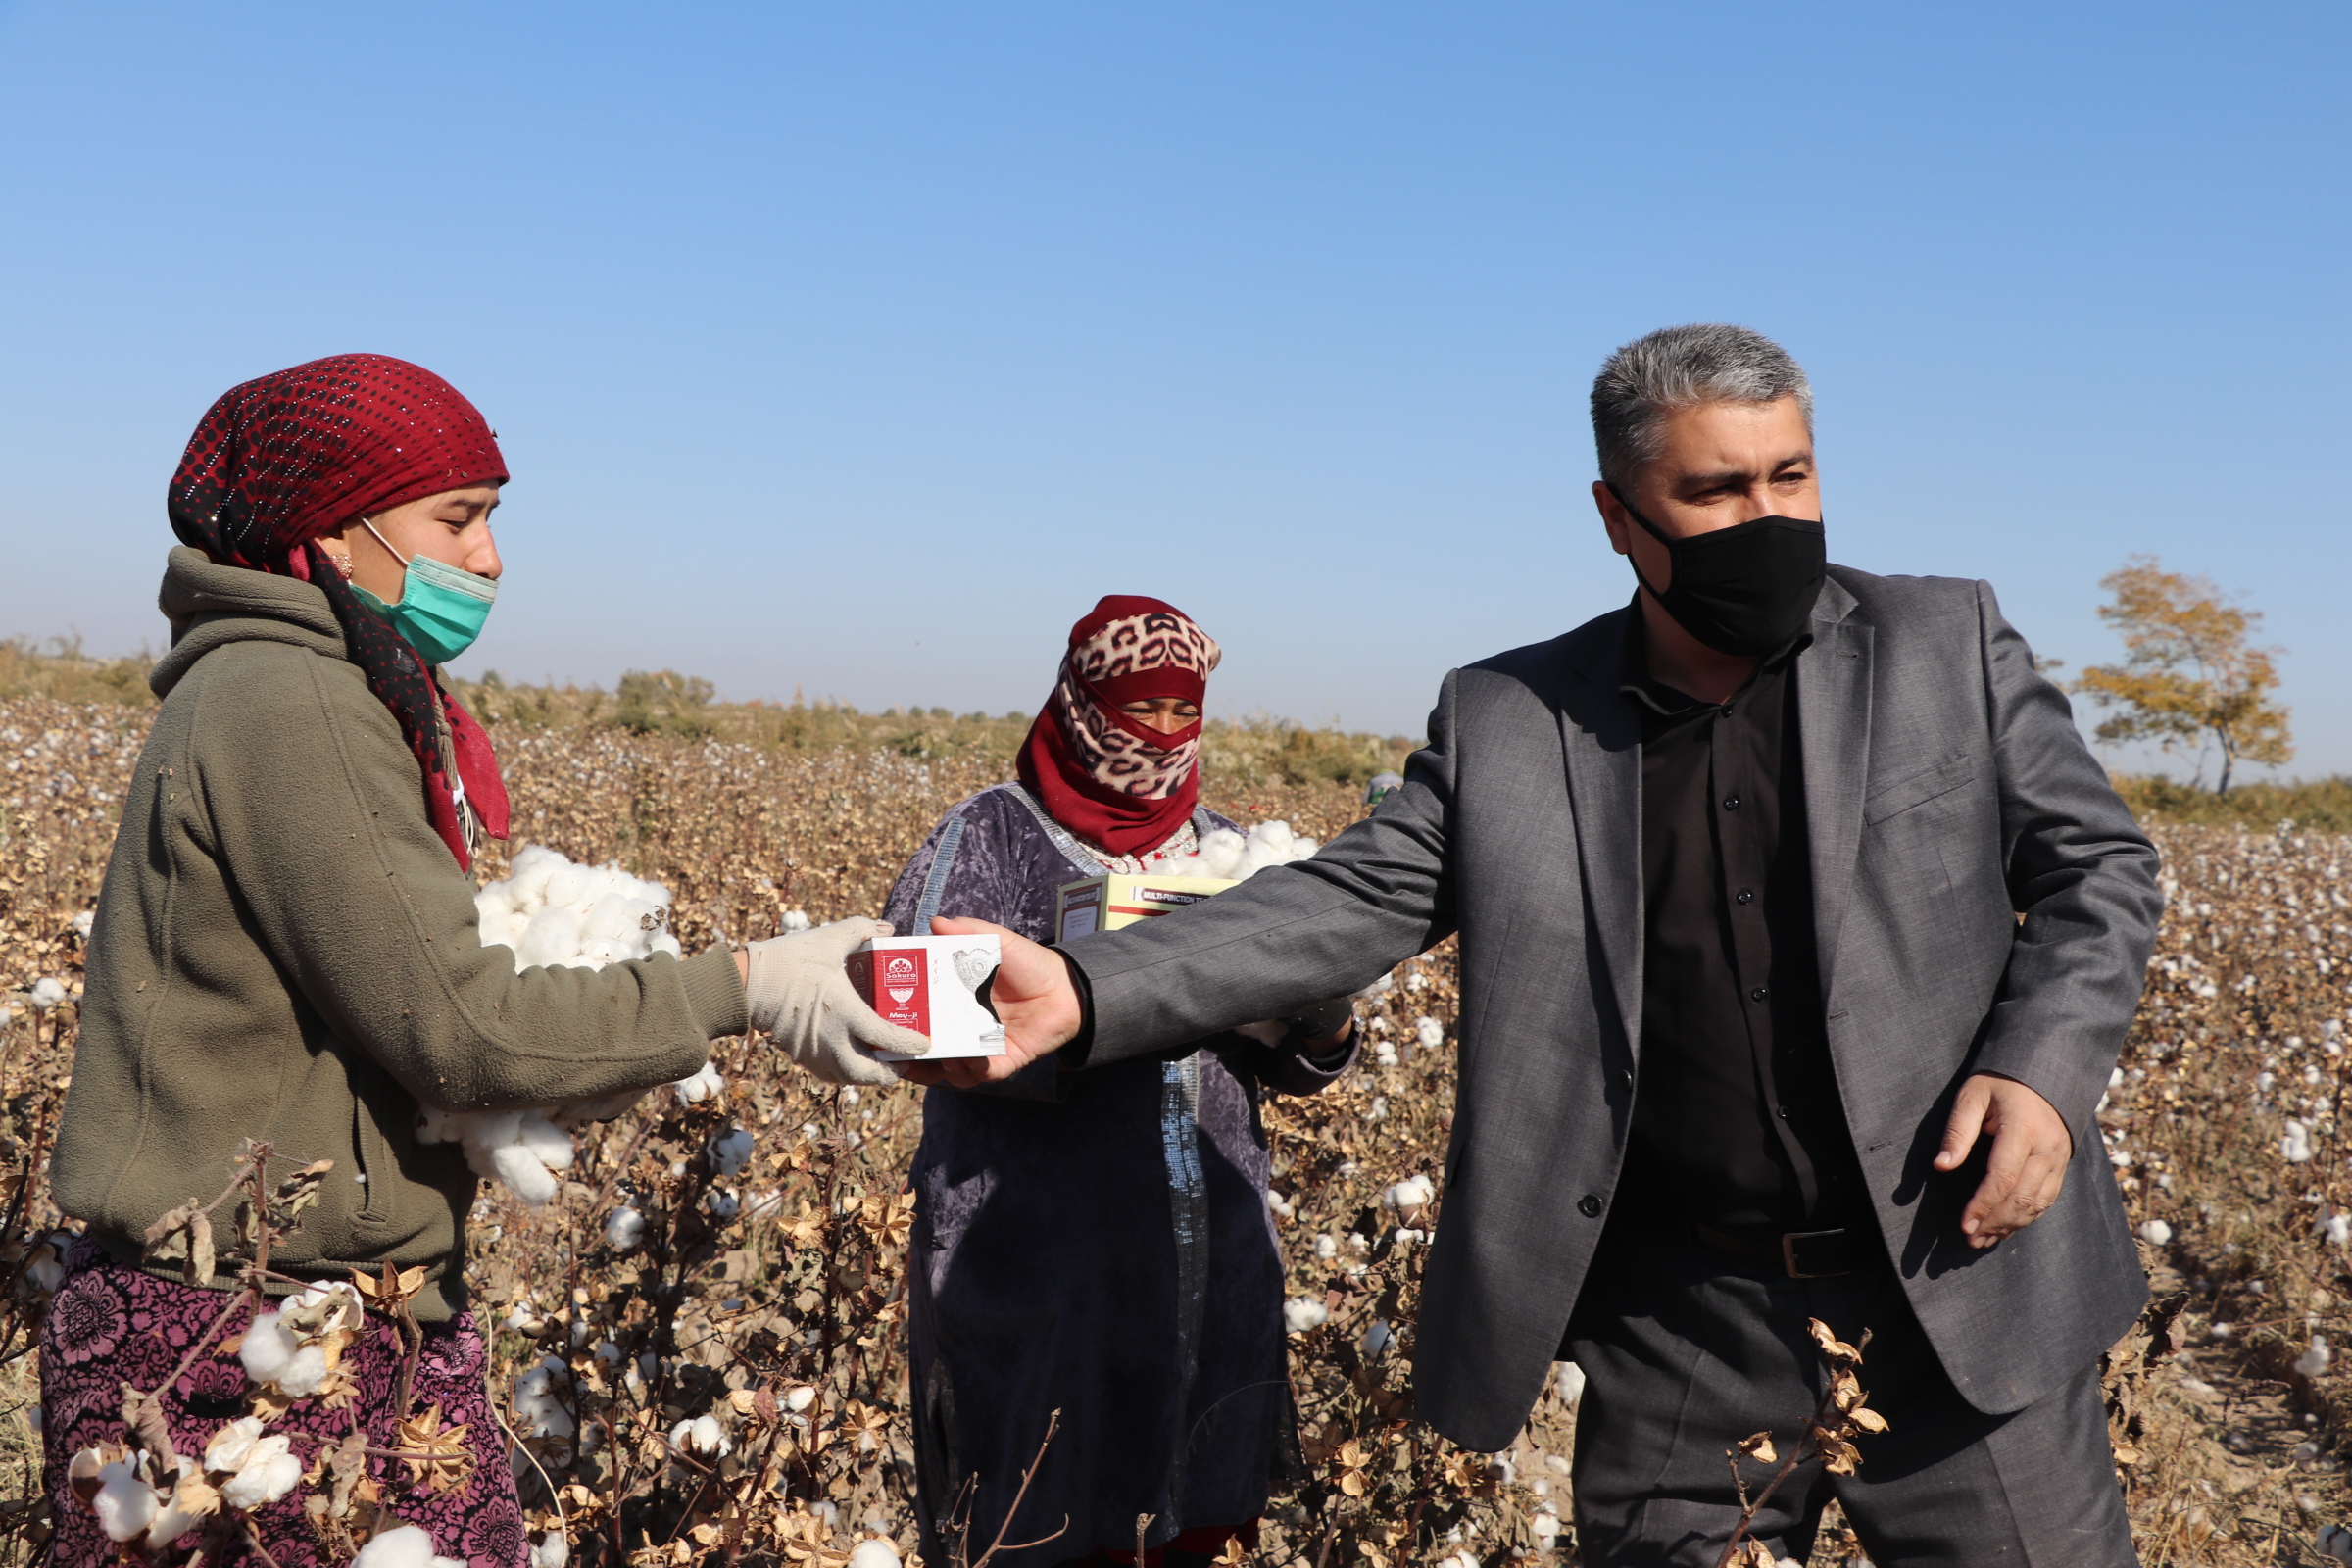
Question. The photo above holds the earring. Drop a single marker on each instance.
(342, 564)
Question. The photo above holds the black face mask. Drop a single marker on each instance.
(1743, 590)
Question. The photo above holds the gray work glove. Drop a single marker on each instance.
(799, 992)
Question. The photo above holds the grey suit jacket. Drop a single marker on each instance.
(1982, 903)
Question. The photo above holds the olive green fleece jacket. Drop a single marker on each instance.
(285, 950)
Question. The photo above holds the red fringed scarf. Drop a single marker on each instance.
(281, 459)
(1112, 780)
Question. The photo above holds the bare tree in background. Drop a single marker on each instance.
(2188, 674)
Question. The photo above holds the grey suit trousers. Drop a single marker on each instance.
(1685, 1352)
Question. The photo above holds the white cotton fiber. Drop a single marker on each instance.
(232, 1445)
(1303, 1314)
(551, 1144)
(515, 1165)
(1229, 854)
(124, 1503)
(552, 938)
(269, 1350)
(269, 1473)
(624, 1228)
(555, 913)
(1411, 1192)
(406, 1547)
(702, 1086)
(554, 1551)
(306, 1374)
(873, 1553)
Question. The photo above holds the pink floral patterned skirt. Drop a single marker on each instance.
(111, 1324)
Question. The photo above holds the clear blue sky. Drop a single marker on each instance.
(857, 348)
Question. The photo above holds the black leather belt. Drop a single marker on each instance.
(1800, 1255)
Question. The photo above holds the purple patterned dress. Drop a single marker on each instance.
(111, 1324)
(1096, 1242)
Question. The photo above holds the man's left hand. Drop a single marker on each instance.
(2026, 1167)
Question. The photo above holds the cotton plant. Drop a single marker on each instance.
(553, 913)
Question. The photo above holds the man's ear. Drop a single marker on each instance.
(1613, 517)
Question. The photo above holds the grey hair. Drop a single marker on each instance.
(1676, 367)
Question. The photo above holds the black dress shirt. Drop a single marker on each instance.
(1737, 1121)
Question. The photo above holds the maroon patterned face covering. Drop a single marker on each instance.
(279, 461)
(1108, 776)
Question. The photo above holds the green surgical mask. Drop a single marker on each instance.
(441, 609)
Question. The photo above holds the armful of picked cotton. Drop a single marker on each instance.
(552, 911)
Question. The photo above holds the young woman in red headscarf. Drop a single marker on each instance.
(1099, 1243)
(285, 951)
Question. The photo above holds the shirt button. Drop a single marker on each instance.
(1730, 803)
(1743, 896)
(1627, 1078)
(1757, 995)
(1589, 1206)
(1784, 1113)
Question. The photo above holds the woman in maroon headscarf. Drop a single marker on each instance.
(285, 951)
(1099, 1243)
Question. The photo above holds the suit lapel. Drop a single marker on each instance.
(1601, 738)
(1833, 704)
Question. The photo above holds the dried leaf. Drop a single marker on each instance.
(1836, 1349)
(1759, 1446)
(436, 1456)
(1868, 1420)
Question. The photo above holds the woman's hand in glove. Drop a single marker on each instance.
(796, 990)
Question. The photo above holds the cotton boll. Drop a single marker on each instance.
(873, 1553)
(700, 1437)
(1377, 1339)
(701, 1087)
(554, 1551)
(552, 938)
(520, 1169)
(799, 1398)
(624, 1228)
(269, 1473)
(232, 1445)
(2295, 1147)
(550, 1144)
(2156, 1232)
(2337, 1542)
(1430, 1032)
(126, 1504)
(731, 1152)
(435, 1126)
(1304, 1313)
(1546, 1527)
(2338, 1228)
(663, 942)
(269, 1350)
(796, 920)
(1411, 1192)
(305, 1375)
(1568, 1381)
(1327, 1247)
(493, 907)
(2313, 1361)
(48, 992)
(406, 1547)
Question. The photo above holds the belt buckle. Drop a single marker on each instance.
(1788, 1241)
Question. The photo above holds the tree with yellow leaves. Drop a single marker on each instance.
(2188, 674)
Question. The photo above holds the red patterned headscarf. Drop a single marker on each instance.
(1108, 777)
(281, 459)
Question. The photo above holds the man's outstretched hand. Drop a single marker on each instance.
(2026, 1167)
(1033, 997)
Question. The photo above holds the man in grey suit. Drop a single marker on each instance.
(1800, 932)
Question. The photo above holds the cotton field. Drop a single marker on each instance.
(699, 1326)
